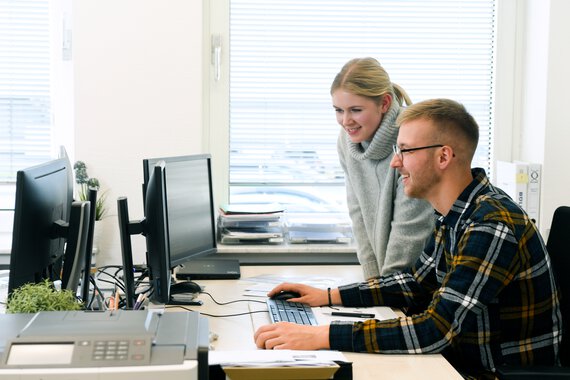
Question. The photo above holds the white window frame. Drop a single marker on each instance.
(510, 15)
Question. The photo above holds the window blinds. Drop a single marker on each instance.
(25, 108)
(284, 55)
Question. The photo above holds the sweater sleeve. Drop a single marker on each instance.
(364, 250)
(412, 224)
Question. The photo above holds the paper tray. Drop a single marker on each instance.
(280, 373)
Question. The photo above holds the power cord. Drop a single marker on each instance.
(112, 275)
(221, 304)
(213, 315)
(227, 303)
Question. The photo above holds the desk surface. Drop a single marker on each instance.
(237, 332)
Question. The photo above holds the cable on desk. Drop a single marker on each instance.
(213, 315)
(115, 279)
(227, 303)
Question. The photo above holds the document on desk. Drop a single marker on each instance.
(264, 283)
(275, 358)
(325, 315)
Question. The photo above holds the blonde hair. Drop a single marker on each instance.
(366, 77)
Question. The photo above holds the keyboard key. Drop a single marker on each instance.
(280, 310)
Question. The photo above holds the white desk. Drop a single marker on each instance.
(237, 332)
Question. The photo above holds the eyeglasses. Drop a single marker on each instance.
(400, 152)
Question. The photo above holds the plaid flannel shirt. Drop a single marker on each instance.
(483, 291)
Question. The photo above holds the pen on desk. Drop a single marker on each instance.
(117, 300)
(349, 314)
(111, 303)
(139, 301)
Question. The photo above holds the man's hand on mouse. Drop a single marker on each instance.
(309, 295)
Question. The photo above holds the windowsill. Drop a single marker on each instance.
(282, 254)
(291, 254)
(4, 261)
(277, 254)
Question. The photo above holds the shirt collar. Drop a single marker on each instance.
(466, 198)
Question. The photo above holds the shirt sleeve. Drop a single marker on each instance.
(478, 268)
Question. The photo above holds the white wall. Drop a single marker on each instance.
(544, 130)
(138, 94)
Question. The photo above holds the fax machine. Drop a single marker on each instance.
(122, 344)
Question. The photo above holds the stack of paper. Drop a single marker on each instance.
(279, 364)
(318, 229)
(250, 223)
(275, 358)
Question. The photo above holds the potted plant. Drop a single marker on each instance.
(31, 298)
(85, 183)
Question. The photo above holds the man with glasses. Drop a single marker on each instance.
(482, 292)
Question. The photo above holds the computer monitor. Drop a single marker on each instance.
(155, 228)
(63, 155)
(190, 204)
(50, 230)
(92, 198)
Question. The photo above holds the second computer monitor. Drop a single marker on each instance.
(190, 205)
(49, 228)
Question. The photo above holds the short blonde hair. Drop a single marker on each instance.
(366, 77)
(450, 118)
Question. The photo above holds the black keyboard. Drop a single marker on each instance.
(300, 313)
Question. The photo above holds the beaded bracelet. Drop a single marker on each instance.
(329, 294)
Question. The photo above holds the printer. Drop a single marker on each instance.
(90, 345)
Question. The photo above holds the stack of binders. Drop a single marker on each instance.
(522, 182)
(250, 224)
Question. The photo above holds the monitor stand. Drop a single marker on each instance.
(126, 229)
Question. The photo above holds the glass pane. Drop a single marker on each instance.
(295, 199)
(25, 98)
(284, 55)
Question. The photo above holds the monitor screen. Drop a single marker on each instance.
(50, 230)
(190, 205)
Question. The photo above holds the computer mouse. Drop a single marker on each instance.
(185, 287)
(285, 295)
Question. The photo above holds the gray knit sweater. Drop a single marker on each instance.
(390, 229)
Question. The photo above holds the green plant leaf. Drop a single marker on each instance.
(31, 298)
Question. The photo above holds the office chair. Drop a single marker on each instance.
(558, 246)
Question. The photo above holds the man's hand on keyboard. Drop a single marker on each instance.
(309, 295)
(291, 336)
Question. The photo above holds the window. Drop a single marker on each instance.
(283, 55)
(25, 101)
(28, 134)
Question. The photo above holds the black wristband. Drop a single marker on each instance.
(329, 294)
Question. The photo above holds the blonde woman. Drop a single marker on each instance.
(390, 229)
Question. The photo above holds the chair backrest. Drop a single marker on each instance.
(558, 246)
